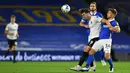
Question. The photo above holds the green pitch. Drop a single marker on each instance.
(56, 67)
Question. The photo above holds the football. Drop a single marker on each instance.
(65, 8)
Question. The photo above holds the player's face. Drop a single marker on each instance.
(109, 14)
(93, 7)
(85, 15)
(12, 19)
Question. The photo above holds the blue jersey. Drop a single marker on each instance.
(86, 21)
(105, 32)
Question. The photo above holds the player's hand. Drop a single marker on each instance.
(112, 29)
(86, 26)
(11, 33)
(17, 35)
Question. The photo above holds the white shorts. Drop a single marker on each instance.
(103, 43)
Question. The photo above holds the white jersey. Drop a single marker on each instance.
(12, 28)
(95, 26)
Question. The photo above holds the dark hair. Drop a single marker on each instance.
(13, 16)
(94, 3)
(113, 10)
(82, 10)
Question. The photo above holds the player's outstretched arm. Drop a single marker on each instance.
(117, 29)
(114, 29)
(17, 35)
(7, 33)
(83, 25)
(108, 24)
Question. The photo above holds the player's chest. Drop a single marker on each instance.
(93, 23)
(13, 28)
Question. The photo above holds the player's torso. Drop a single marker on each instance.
(106, 33)
(87, 22)
(12, 28)
(95, 27)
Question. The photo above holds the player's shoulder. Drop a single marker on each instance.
(8, 24)
(114, 22)
(16, 24)
(84, 20)
(99, 14)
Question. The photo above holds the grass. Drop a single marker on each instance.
(56, 67)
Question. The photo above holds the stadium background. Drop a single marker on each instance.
(47, 34)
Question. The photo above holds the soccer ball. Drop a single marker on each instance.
(65, 8)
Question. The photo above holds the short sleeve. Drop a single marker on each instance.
(82, 20)
(98, 18)
(7, 27)
(115, 23)
(99, 14)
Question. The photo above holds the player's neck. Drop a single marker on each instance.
(89, 18)
(111, 18)
(12, 22)
(93, 12)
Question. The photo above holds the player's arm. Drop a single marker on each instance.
(108, 24)
(7, 31)
(83, 25)
(102, 20)
(116, 27)
(17, 35)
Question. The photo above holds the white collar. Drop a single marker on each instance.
(93, 13)
(11, 23)
(112, 19)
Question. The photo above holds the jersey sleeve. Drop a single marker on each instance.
(82, 20)
(100, 15)
(114, 24)
(98, 18)
(7, 27)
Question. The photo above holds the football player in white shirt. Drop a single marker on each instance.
(11, 32)
(95, 27)
(84, 23)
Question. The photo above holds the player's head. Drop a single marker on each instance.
(12, 18)
(111, 13)
(93, 6)
(85, 13)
